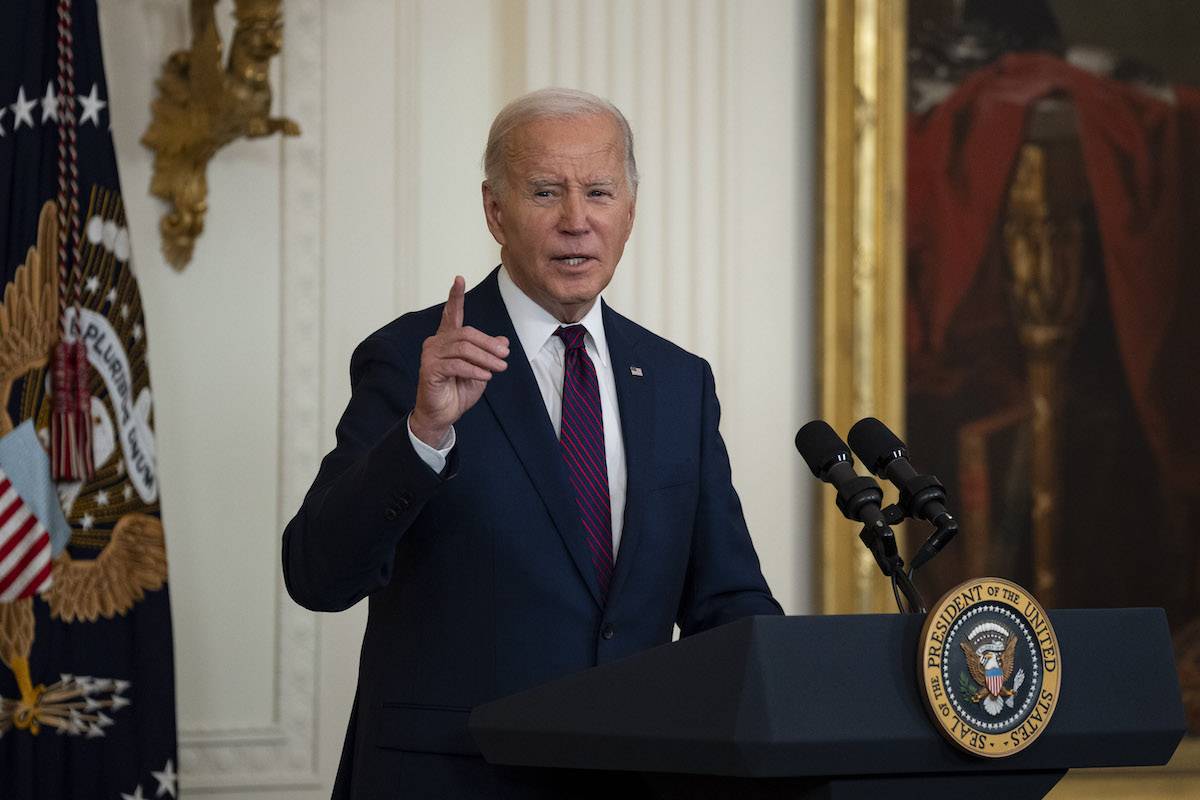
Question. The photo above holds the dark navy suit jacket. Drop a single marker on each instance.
(479, 579)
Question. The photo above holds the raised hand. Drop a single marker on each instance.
(456, 364)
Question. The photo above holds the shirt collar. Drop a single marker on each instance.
(535, 325)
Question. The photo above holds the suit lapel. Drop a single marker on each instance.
(517, 404)
(635, 400)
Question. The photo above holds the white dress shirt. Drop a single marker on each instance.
(535, 328)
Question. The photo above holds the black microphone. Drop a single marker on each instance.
(921, 496)
(858, 497)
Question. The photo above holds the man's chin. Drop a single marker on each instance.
(572, 304)
(585, 281)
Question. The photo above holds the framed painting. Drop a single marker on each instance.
(1012, 213)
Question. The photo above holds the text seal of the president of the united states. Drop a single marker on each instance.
(990, 667)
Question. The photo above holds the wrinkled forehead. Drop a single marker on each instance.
(589, 147)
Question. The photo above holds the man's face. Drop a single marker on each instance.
(565, 212)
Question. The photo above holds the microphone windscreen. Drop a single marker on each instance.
(874, 444)
(820, 445)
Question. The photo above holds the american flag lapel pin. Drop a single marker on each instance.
(635, 372)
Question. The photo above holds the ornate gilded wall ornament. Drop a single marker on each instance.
(204, 105)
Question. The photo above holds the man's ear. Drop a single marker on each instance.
(493, 212)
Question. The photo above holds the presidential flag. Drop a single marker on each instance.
(87, 695)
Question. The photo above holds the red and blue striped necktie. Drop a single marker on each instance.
(581, 438)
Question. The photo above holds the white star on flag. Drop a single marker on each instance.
(49, 104)
(137, 794)
(111, 296)
(21, 110)
(166, 779)
(92, 106)
(101, 498)
(3, 111)
(86, 522)
(137, 334)
(91, 284)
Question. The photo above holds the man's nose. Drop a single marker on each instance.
(574, 214)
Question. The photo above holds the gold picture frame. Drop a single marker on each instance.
(862, 280)
(862, 259)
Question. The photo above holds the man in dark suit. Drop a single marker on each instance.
(572, 517)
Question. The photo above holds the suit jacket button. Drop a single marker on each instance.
(391, 513)
(608, 631)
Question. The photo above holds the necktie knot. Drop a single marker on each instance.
(572, 336)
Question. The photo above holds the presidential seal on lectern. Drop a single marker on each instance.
(990, 667)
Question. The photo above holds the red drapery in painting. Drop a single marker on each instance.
(1142, 162)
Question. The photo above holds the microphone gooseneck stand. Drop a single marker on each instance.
(859, 498)
(921, 496)
(902, 580)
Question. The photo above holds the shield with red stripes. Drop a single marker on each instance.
(995, 678)
(24, 546)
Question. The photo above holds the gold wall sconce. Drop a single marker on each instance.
(203, 105)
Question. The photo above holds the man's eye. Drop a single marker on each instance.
(601, 193)
(544, 193)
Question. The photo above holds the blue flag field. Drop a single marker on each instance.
(87, 695)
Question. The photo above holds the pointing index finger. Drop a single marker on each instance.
(452, 314)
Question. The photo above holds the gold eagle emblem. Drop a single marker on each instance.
(129, 563)
(978, 664)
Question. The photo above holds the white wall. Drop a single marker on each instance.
(313, 243)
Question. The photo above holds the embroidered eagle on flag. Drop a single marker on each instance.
(131, 562)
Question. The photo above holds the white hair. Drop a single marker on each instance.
(553, 103)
